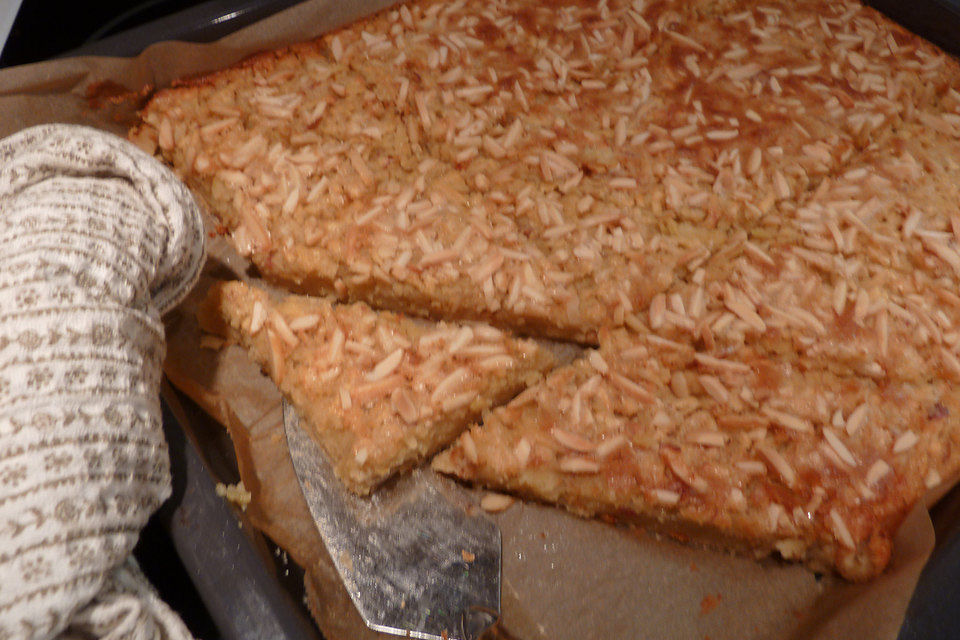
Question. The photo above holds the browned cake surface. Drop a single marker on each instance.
(757, 204)
(378, 391)
(503, 161)
(757, 451)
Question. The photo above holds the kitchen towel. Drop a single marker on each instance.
(97, 240)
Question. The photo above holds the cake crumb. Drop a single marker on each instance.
(235, 493)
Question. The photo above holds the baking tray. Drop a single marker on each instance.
(246, 585)
(247, 592)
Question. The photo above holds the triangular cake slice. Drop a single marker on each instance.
(756, 454)
(378, 391)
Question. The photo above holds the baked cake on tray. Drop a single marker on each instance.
(752, 211)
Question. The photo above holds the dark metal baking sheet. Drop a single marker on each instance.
(223, 560)
(204, 22)
(245, 585)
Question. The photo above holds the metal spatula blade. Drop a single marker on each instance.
(413, 559)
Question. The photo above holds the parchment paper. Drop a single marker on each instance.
(563, 577)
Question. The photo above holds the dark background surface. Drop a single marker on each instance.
(177, 550)
(46, 28)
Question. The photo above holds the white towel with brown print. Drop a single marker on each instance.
(97, 240)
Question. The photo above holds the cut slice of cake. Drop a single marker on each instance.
(378, 391)
(755, 453)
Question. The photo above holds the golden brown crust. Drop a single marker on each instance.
(378, 392)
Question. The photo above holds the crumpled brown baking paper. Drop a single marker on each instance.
(563, 577)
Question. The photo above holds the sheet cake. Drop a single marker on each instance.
(752, 210)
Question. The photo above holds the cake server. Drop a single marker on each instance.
(416, 556)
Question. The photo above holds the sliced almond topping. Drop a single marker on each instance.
(658, 308)
(744, 72)
(488, 333)
(513, 133)
(679, 468)
(944, 252)
(933, 479)
(622, 183)
(877, 472)
(336, 346)
(253, 226)
(665, 496)
(780, 185)
(283, 329)
(488, 267)
(302, 323)
(839, 448)
(911, 223)
(496, 502)
(809, 319)
(495, 363)
(755, 160)
(686, 40)
(721, 364)
(461, 339)
(857, 418)
(837, 419)
(597, 361)
(774, 512)
(291, 202)
(572, 440)
(787, 420)
(841, 530)
(715, 389)
(608, 446)
(737, 500)
(950, 361)
(458, 401)
(165, 135)
(708, 438)
(840, 296)
(744, 310)
(386, 366)
(439, 257)
(403, 403)
(576, 464)
(345, 401)
(522, 451)
(446, 386)
(469, 447)
(779, 463)
(632, 388)
(664, 342)
(752, 467)
(371, 391)
(257, 318)
(905, 442)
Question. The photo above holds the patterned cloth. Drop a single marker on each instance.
(97, 240)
